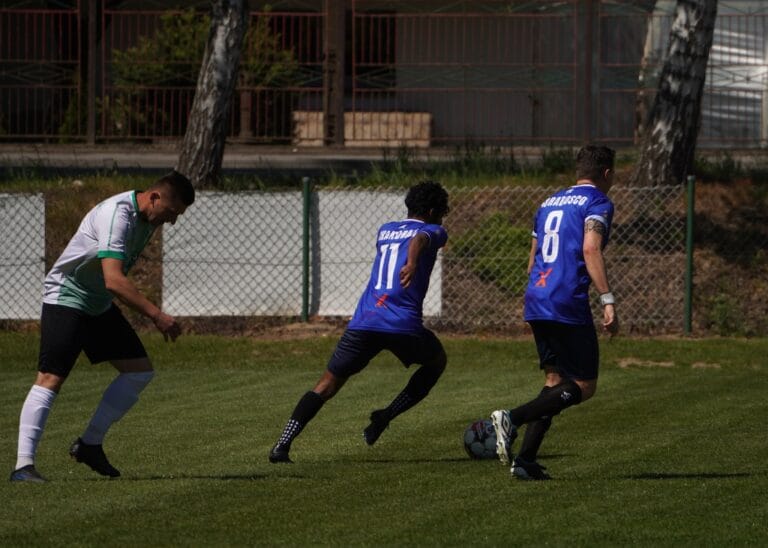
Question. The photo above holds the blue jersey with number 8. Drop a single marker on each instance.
(558, 285)
(386, 305)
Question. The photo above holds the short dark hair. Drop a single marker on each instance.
(426, 196)
(593, 160)
(180, 186)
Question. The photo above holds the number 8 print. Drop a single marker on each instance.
(551, 243)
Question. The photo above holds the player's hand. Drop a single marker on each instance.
(406, 274)
(610, 319)
(168, 326)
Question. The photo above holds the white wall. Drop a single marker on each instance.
(241, 253)
(22, 255)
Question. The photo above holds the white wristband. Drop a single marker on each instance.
(607, 298)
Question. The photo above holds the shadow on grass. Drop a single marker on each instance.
(551, 456)
(700, 475)
(412, 461)
(221, 477)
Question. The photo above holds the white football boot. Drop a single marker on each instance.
(506, 432)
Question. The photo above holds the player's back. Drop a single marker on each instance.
(558, 285)
(385, 304)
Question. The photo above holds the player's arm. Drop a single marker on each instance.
(532, 255)
(121, 287)
(415, 248)
(594, 231)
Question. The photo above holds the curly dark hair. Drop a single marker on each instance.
(593, 160)
(426, 196)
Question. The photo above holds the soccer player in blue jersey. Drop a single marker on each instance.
(388, 317)
(571, 229)
(79, 316)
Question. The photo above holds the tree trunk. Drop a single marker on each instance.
(650, 64)
(669, 139)
(202, 149)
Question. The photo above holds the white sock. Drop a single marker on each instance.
(118, 398)
(34, 413)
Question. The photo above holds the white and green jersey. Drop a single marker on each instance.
(112, 229)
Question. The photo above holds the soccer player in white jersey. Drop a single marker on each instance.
(79, 315)
(571, 229)
(388, 317)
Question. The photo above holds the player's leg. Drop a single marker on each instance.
(570, 361)
(111, 338)
(306, 409)
(506, 430)
(536, 430)
(353, 352)
(60, 345)
(425, 349)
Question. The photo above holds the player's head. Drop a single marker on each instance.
(177, 185)
(595, 163)
(427, 201)
(168, 197)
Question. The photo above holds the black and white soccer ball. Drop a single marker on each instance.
(480, 440)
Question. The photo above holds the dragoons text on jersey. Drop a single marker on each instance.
(558, 286)
(386, 305)
(112, 229)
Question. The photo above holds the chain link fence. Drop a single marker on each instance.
(270, 254)
(22, 255)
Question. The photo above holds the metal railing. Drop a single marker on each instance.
(505, 73)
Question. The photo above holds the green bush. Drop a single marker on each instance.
(496, 251)
(723, 169)
(171, 58)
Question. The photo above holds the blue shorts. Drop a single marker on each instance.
(67, 331)
(357, 348)
(571, 349)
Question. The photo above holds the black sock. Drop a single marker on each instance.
(308, 406)
(548, 403)
(418, 387)
(534, 433)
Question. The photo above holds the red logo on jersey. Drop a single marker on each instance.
(543, 278)
(380, 301)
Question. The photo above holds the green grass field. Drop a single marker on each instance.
(671, 451)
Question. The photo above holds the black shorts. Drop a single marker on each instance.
(66, 331)
(571, 349)
(357, 348)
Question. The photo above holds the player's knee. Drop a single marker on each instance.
(328, 386)
(50, 381)
(588, 389)
(438, 362)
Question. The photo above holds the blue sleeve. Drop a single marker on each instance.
(437, 235)
(602, 210)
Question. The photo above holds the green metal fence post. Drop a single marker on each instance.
(689, 253)
(305, 250)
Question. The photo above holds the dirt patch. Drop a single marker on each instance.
(626, 363)
(705, 365)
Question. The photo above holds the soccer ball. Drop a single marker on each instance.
(480, 440)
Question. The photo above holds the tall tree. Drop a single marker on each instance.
(669, 138)
(202, 149)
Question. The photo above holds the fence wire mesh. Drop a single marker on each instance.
(22, 255)
(486, 260)
(251, 262)
(247, 255)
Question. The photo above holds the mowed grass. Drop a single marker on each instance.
(671, 451)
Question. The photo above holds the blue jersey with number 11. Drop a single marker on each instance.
(386, 305)
(558, 285)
